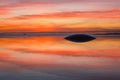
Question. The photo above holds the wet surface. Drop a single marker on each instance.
(54, 58)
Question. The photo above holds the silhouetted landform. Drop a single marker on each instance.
(79, 38)
(38, 34)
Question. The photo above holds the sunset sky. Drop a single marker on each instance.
(33, 44)
(59, 15)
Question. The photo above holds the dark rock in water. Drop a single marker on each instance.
(79, 38)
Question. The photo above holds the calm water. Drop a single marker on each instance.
(53, 58)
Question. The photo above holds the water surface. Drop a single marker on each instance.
(53, 58)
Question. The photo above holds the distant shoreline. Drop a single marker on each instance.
(38, 34)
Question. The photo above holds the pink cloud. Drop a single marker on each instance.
(10, 8)
(78, 14)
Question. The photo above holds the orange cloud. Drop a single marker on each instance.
(66, 21)
(77, 14)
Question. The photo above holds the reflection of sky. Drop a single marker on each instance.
(37, 57)
(54, 58)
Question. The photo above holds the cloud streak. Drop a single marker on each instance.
(29, 7)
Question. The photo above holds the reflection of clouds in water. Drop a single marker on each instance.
(54, 50)
(51, 59)
(56, 59)
(22, 66)
(59, 73)
(58, 43)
